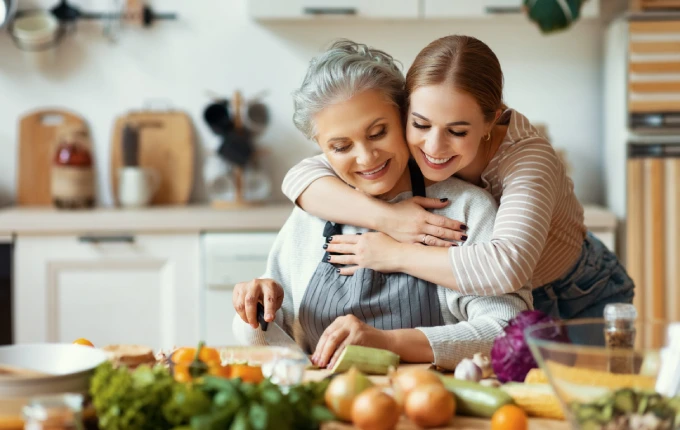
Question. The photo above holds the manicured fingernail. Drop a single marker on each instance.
(329, 238)
(325, 246)
(453, 244)
(328, 258)
(463, 227)
(359, 234)
(463, 238)
(269, 317)
(445, 199)
(337, 270)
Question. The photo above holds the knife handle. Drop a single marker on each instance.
(260, 317)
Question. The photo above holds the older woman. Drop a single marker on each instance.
(350, 103)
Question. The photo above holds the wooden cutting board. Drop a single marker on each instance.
(166, 144)
(37, 140)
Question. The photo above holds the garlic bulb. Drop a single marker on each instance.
(484, 363)
(468, 371)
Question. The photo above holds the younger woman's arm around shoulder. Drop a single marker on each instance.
(380, 252)
(313, 185)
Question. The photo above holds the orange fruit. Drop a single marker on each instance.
(184, 355)
(209, 355)
(181, 373)
(83, 341)
(247, 373)
(509, 417)
(216, 369)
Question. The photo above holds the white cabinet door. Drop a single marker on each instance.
(310, 9)
(142, 289)
(434, 9)
(229, 258)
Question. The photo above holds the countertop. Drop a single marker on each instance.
(178, 219)
(155, 219)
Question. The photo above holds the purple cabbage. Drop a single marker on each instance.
(511, 357)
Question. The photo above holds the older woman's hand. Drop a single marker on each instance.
(409, 222)
(347, 330)
(246, 296)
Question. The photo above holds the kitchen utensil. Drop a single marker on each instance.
(130, 146)
(37, 141)
(256, 116)
(284, 366)
(166, 144)
(68, 14)
(237, 145)
(275, 335)
(8, 9)
(68, 368)
(216, 115)
(137, 186)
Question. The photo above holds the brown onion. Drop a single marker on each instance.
(406, 380)
(342, 391)
(430, 406)
(375, 410)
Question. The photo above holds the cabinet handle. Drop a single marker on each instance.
(106, 239)
(330, 11)
(221, 287)
(503, 10)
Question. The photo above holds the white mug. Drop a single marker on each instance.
(137, 186)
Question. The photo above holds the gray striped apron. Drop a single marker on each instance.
(386, 301)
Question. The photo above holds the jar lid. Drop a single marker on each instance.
(620, 311)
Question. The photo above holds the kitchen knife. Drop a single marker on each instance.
(274, 334)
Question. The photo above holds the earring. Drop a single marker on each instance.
(488, 137)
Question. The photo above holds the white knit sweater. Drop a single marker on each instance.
(472, 322)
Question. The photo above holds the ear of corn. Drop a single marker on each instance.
(536, 376)
(537, 400)
(371, 361)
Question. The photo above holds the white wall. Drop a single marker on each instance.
(215, 46)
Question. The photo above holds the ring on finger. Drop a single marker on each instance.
(423, 239)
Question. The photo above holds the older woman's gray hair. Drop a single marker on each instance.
(344, 70)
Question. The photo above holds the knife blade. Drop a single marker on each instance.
(274, 334)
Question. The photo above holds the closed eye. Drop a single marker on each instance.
(458, 134)
(340, 148)
(421, 126)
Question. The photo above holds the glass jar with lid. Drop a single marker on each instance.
(54, 412)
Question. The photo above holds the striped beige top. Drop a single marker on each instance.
(539, 229)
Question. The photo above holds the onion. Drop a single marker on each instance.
(430, 406)
(342, 391)
(406, 380)
(375, 410)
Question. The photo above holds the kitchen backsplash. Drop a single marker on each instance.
(215, 46)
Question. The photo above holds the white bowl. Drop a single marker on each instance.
(69, 368)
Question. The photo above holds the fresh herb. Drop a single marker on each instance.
(149, 398)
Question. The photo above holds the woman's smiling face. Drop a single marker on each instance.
(444, 129)
(363, 139)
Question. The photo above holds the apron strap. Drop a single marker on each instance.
(417, 179)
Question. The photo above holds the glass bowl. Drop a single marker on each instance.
(602, 387)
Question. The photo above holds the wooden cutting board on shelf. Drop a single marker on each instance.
(166, 144)
(38, 132)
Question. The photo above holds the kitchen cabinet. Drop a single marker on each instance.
(229, 258)
(440, 9)
(141, 289)
(310, 9)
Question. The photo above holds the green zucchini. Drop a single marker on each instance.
(475, 400)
